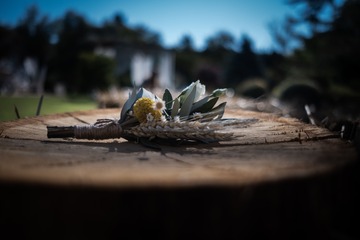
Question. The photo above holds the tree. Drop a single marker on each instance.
(186, 43)
(330, 57)
(114, 29)
(285, 37)
(33, 41)
(146, 36)
(244, 65)
(72, 42)
(94, 72)
(222, 40)
(311, 13)
(311, 17)
(185, 62)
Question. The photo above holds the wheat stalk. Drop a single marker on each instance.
(186, 130)
(183, 130)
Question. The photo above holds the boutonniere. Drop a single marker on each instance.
(192, 115)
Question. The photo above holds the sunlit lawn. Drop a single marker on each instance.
(27, 106)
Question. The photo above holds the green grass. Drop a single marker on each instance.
(27, 106)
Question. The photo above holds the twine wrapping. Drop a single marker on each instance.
(102, 129)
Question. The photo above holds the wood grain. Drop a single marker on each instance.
(270, 149)
(279, 179)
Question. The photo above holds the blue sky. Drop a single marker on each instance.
(171, 18)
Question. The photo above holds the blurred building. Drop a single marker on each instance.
(149, 67)
(146, 65)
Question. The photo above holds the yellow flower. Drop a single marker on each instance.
(143, 106)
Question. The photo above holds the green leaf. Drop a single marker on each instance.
(199, 103)
(206, 107)
(186, 92)
(128, 105)
(215, 94)
(188, 102)
(216, 112)
(175, 108)
(218, 92)
(168, 99)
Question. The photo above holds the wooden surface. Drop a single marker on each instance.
(280, 179)
(271, 148)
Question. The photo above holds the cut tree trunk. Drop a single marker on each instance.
(279, 178)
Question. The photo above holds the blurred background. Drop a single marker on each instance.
(293, 57)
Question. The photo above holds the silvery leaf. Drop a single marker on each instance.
(145, 93)
(175, 108)
(218, 92)
(199, 103)
(128, 105)
(206, 107)
(216, 113)
(188, 102)
(215, 94)
(185, 93)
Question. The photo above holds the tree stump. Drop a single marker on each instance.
(279, 178)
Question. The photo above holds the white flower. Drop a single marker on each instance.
(200, 90)
(149, 117)
(159, 105)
